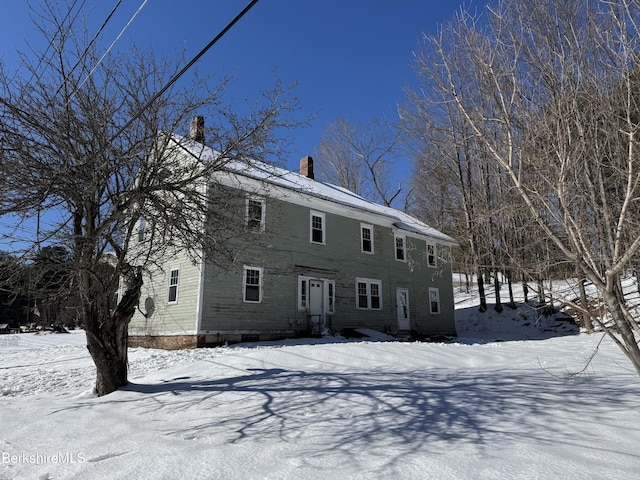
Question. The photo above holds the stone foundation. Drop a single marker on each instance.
(178, 342)
(173, 342)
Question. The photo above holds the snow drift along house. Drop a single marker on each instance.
(318, 258)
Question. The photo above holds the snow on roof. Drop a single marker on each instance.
(315, 188)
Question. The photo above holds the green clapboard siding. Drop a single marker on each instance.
(179, 318)
(284, 252)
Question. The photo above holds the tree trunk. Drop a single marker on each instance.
(108, 337)
(525, 288)
(586, 317)
(629, 344)
(512, 303)
(496, 286)
(483, 296)
(541, 298)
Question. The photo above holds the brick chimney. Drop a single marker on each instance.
(306, 167)
(196, 131)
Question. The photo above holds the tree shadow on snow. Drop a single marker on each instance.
(387, 414)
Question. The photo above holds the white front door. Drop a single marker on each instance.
(404, 318)
(316, 312)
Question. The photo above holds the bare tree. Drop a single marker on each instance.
(556, 110)
(78, 173)
(360, 158)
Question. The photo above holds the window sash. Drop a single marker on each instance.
(142, 225)
(317, 228)
(400, 249)
(366, 238)
(174, 280)
(368, 294)
(363, 295)
(375, 296)
(434, 300)
(252, 285)
(431, 255)
(255, 214)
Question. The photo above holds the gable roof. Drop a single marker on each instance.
(296, 182)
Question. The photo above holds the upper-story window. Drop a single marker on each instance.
(255, 214)
(431, 255)
(318, 229)
(366, 238)
(400, 248)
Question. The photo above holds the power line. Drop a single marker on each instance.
(44, 55)
(185, 68)
(108, 50)
(93, 40)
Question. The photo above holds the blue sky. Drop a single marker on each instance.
(352, 58)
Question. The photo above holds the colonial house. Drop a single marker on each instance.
(320, 259)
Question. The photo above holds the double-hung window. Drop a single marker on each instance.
(317, 227)
(368, 294)
(431, 255)
(174, 280)
(400, 248)
(142, 225)
(255, 214)
(366, 238)
(252, 285)
(434, 300)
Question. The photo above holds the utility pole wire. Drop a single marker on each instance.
(186, 67)
(107, 52)
(34, 72)
(86, 50)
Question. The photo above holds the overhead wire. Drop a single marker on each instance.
(107, 51)
(175, 78)
(34, 73)
(91, 43)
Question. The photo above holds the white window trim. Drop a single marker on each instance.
(396, 236)
(260, 283)
(436, 291)
(177, 286)
(324, 227)
(263, 215)
(368, 282)
(435, 255)
(370, 228)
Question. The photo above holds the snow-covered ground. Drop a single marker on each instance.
(531, 406)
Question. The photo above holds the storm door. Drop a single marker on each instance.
(404, 317)
(316, 311)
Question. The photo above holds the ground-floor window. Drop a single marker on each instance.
(252, 285)
(434, 300)
(174, 280)
(368, 294)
